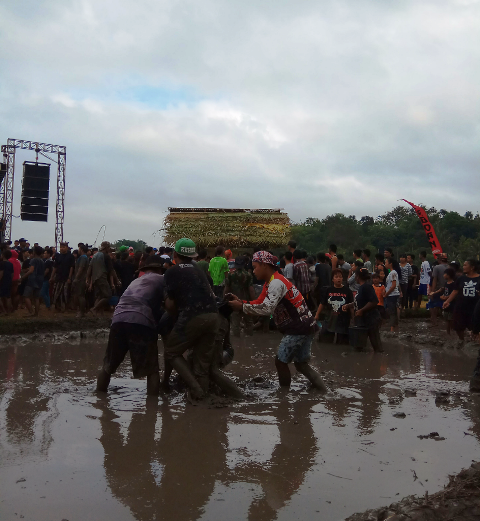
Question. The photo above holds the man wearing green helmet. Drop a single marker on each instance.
(190, 297)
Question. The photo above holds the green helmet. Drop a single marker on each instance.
(123, 248)
(185, 247)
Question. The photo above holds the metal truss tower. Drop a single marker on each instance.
(6, 190)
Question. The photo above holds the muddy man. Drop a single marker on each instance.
(292, 318)
(134, 329)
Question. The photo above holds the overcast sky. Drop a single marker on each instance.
(313, 106)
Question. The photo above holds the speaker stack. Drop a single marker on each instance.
(35, 191)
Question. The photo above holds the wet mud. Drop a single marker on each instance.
(68, 454)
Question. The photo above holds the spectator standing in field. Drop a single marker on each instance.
(6, 277)
(301, 276)
(335, 327)
(34, 281)
(239, 283)
(392, 295)
(449, 277)
(406, 273)
(17, 270)
(311, 274)
(466, 296)
(332, 251)
(352, 281)
(230, 260)
(379, 289)
(127, 270)
(343, 265)
(288, 270)
(388, 253)
(45, 291)
(202, 260)
(412, 290)
(62, 276)
(436, 288)
(425, 271)
(80, 280)
(292, 246)
(100, 277)
(357, 256)
(367, 263)
(365, 303)
(218, 269)
(323, 276)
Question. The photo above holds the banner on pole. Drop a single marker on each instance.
(431, 235)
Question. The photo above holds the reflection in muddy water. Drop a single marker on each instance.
(68, 454)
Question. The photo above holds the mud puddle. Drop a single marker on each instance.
(67, 454)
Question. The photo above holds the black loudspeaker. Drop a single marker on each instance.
(35, 191)
(3, 171)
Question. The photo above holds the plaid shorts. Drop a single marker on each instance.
(295, 348)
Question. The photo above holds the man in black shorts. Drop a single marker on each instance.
(466, 296)
(191, 298)
(134, 329)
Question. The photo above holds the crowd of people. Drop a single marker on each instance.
(195, 302)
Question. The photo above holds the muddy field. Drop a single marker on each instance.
(67, 454)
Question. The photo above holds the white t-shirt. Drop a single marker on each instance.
(288, 272)
(393, 275)
(425, 272)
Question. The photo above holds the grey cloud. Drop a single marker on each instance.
(317, 107)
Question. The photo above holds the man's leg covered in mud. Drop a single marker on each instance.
(297, 348)
(203, 330)
(115, 353)
(283, 371)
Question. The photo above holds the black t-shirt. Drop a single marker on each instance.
(324, 274)
(415, 271)
(468, 294)
(187, 285)
(364, 295)
(126, 272)
(48, 269)
(63, 262)
(333, 299)
(7, 268)
(449, 287)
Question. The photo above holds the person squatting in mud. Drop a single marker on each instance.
(291, 315)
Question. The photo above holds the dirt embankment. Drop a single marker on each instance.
(49, 323)
(459, 500)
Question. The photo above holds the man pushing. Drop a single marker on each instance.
(134, 329)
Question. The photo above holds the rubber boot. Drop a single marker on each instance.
(284, 376)
(103, 379)
(180, 365)
(225, 384)
(153, 384)
(312, 375)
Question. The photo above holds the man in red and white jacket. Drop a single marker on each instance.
(292, 317)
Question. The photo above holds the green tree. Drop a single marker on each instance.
(137, 245)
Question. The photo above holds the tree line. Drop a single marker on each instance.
(399, 229)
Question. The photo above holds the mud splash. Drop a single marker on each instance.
(68, 454)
